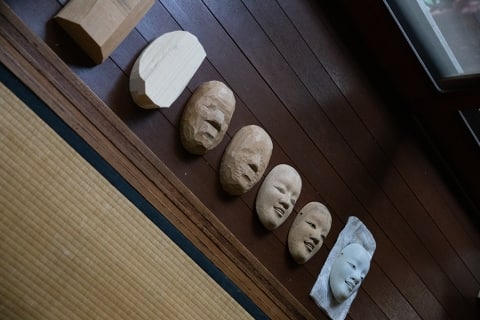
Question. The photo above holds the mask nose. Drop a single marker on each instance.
(356, 278)
(284, 202)
(315, 240)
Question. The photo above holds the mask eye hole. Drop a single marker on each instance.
(280, 189)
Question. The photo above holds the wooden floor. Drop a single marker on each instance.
(293, 75)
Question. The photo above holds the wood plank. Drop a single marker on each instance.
(442, 206)
(413, 212)
(297, 99)
(309, 28)
(371, 102)
(210, 55)
(416, 93)
(306, 19)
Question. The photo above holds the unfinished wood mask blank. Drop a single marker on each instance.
(164, 68)
(245, 159)
(206, 117)
(99, 26)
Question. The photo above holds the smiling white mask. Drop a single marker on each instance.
(348, 271)
(308, 231)
(277, 195)
(336, 268)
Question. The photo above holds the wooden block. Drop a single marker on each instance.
(164, 68)
(99, 26)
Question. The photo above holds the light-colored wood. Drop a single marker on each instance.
(206, 117)
(99, 26)
(245, 159)
(164, 69)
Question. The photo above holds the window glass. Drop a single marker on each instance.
(445, 35)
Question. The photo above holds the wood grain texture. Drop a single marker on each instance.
(99, 26)
(295, 71)
(164, 68)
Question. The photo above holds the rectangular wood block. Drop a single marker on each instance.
(99, 26)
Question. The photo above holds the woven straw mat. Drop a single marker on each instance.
(73, 247)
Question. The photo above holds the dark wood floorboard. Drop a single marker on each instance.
(267, 62)
(293, 75)
(273, 22)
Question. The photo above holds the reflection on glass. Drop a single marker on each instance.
(459, 23)
(445, 34)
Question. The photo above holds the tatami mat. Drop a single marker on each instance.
(73, 247)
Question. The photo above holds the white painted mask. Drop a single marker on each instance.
(348, 271)
(277, 195)
(245, 159)
(206, 117)
(308, 231)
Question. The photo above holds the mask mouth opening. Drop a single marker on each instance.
(215, 124)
